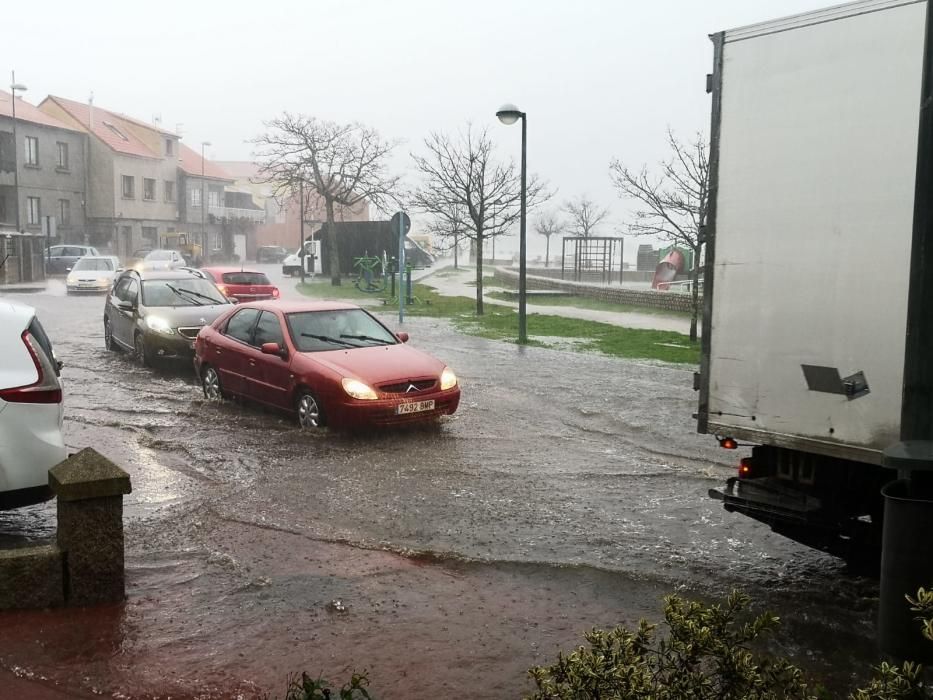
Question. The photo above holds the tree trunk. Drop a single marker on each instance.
(696, 292)
(547, 252)
(479, 273)
(333, 252)
(456, 250)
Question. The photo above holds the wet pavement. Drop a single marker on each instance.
(569, 491)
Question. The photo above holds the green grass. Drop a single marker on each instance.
(501, 323)
(321, 288)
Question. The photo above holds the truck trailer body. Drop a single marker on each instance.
(813, 167)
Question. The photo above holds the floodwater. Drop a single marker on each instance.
(569, 491)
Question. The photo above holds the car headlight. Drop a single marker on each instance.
(71, 279)
(159, 325)
(358, 390)
(103, 280)
(448, 379)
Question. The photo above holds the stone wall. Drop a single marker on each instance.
(672, 301)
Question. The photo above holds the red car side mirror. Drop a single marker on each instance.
(272, 349)
(402, 335)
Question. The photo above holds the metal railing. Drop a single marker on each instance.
(255, 215)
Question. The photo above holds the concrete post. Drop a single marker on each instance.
(90, 490)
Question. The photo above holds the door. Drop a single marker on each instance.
(229, 353)
(123, 322)
(239, 246)
(268, 377)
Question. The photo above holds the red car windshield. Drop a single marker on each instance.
(315, 331)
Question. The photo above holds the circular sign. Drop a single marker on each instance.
(404, 219)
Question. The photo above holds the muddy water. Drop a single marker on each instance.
(569, 491)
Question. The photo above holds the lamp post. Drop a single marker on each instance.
(509, 114)
(203, 203)
(14, 86)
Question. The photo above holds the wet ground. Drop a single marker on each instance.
(569, 491)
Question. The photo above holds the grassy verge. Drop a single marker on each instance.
(594, 304)
(322, 289)
(501, 323)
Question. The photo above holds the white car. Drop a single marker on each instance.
(161, 259)
(291, 264)
(92, 273)
(31, 412)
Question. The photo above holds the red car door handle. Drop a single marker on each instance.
(217, 351)
(252, 363)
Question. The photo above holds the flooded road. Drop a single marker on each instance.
(569, 491)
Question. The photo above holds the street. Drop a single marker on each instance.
(569, 491)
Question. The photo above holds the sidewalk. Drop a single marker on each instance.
(457, 285)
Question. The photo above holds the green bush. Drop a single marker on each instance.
(707, 653)
(307, 688)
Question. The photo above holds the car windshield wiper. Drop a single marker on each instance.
(211, 299)
(381, 341)
(328, 339)
(183, 292)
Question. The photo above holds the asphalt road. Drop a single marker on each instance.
(569, 491)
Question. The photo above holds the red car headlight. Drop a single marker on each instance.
(358, 390)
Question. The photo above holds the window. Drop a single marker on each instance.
(169, 191)
(240, 325)
(250, 278)
(33, 213)
(150, 233)
(268, 330)
(195, 197)
(116, 131)
(32, 150)
(213, 198)
(129, 187)
(2, 210)
(149, 189)
(64, 212)
(216, 242)
(62, 156)
(131, 291)
(169, 147)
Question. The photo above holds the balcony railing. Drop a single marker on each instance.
(257, 216)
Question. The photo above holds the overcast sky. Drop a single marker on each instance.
(598, 78)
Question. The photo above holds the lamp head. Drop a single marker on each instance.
(509, 114)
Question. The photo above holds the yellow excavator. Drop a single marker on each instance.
(184, 243)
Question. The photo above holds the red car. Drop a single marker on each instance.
(329, 363)
(242, 285)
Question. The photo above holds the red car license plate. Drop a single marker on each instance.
(415, 407)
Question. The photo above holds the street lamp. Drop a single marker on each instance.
(509, 114)
(203, 203)
(14, 86)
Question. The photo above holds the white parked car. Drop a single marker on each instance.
(31, 413)
(161, 259)
(92, 273)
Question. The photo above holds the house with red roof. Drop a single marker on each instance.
(42, 175)
(132, 176)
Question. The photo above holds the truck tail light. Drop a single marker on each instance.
(728, 443)
(745, 468)
(46, 389)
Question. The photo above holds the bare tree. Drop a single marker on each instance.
(548, 225)
(467, 190)
(344, 165)
(584, 215)
(673, 201)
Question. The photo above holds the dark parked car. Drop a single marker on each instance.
(326, 362)
(270, 254)
(158, 314)
(61, 258)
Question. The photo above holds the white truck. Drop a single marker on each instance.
(814, 152)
